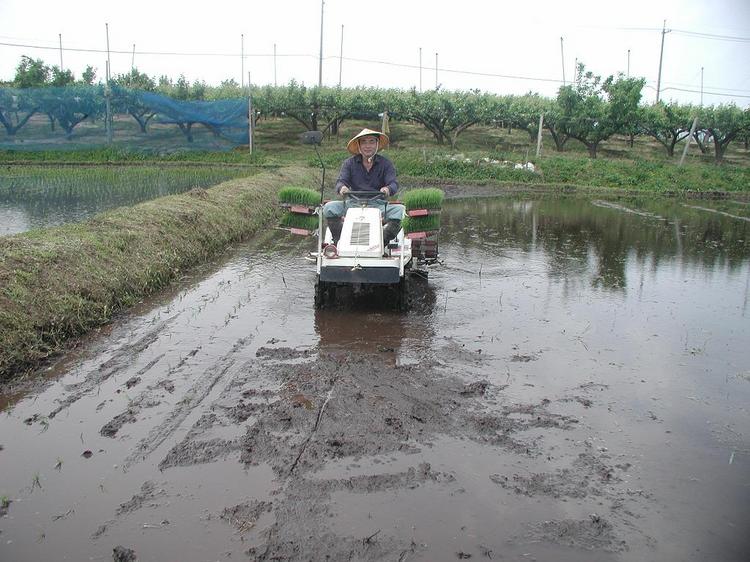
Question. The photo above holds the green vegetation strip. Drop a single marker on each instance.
(59, 283)
(299, 196)
(633, 175)
(421, 224)
(429, 198)
(295, 220)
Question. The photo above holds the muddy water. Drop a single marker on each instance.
(572, 384)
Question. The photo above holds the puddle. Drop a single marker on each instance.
(569, 386)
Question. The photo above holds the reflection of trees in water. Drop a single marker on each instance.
(579, 239)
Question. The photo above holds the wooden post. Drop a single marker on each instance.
(687, 143)
(539, 136)
(250, 116)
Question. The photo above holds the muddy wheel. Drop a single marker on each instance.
(320, 293)
(325, 294)
(403, 293)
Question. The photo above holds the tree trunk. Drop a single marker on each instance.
(559, 139)
(699, 143)
(719, 149)
(592, 146)
(632, 139)
(187, 129)
(8, 123)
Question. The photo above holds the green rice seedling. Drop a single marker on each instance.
(294, 195)
(430, 198)
(421, 224)
(4, 502)
(294, 220)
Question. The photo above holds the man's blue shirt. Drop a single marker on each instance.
(354, 175)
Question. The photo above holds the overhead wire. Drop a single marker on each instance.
(385, 63)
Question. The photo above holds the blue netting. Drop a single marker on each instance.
(75, 117)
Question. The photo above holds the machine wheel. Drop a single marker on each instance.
(403, 293)
(324, 294)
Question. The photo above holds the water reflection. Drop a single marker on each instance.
(594, 240)
(369, 323)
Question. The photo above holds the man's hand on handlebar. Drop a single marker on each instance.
(386, 191)
(344, 190)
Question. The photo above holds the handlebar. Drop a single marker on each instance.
(364, 195)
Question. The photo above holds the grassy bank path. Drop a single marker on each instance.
(59, 283)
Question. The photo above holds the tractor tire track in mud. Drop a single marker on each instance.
(121, 360)
(313, 418)
(191, 399)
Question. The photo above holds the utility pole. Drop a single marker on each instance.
(242, 60)
(628, 63)
(320, 61)
(661, 57)
(420, 69)
(436, 71)
(59, 35)
(108, 92)
(274, 64)
(562, 54)
(539, 136)
(688, 139)
(575, 70)
(132, 60)
(701, 86)
(341, 54)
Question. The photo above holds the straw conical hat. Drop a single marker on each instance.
(353, 145)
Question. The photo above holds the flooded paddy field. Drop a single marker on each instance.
(45, 196)
(572, 384)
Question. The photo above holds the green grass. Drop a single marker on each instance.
(294, 220)
(120, 155)
(430, 198)
(299, 196)
(421, 224)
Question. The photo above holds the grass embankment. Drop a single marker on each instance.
(59, 283)
(560, 172)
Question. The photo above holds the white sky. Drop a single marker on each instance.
(480, 36)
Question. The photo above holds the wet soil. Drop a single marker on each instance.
(550, 395)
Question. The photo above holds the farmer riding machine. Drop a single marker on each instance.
(361, 260)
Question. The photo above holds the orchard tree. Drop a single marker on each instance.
(71, 105)
(524, 113)
(89, 75)
(667, 123)
(448, 114)
(592, 111)
(60, 78)
(135, 80)
(724, 123)
(16, 108)
(31, 73)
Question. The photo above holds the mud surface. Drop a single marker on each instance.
(570, 385)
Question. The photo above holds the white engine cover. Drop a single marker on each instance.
(362, 234)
